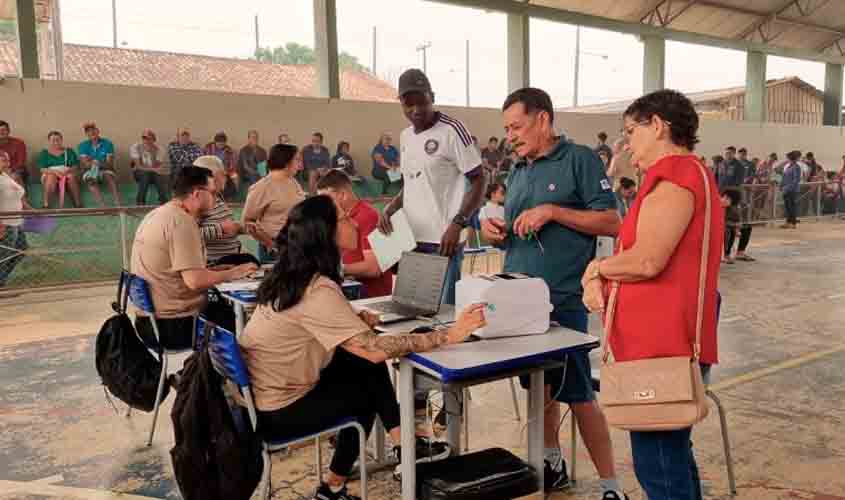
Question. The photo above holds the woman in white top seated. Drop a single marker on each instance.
(312, 359)
(12, 238)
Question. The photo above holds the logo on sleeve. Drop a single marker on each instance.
(605, 184)
(431, 146)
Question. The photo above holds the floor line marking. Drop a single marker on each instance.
(49, 490)
(56, 478)
(777, 367)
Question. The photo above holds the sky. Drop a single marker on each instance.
(610, 68)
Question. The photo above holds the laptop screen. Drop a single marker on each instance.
(420, 280)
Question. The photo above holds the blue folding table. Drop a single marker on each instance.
(453, 368)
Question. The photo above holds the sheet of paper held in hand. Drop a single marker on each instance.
(388, 249)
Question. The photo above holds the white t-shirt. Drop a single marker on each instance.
(433, 164)
(492, 211)
(11, 194)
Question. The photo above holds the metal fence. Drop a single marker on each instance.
(71, 246)
(80, 246)
(764, 202)
(76, 246)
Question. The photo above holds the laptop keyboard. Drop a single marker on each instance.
(399, 309)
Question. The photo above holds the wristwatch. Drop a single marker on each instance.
(460, 220)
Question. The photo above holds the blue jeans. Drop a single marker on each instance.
(664, 462)
(453, 271)
(665, 465)
(12, 245)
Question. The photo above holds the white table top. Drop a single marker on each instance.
(472, 358)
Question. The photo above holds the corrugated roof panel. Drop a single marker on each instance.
(726, 19)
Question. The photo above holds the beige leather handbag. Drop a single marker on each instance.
(659, 394)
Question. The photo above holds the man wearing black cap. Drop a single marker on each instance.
(444, 184)
(437, 160)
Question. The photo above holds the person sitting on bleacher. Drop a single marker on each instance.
(313, 360)
(97, 160)
(58, 166)
(385, 159)
(342, 160)
(168, 253)
(359, 262)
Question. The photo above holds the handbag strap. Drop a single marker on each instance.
(702, 279)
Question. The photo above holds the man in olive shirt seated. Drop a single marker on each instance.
(168, 252)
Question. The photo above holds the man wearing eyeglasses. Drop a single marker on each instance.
(559, 200)
(168, 252)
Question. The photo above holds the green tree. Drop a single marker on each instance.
(294, 53)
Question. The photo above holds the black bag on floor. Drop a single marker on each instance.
(493, 474)
(214, 458)
(126, 367)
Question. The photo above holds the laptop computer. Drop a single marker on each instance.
(419, 287)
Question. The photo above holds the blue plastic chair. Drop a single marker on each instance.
(141, 298)
(226, 358)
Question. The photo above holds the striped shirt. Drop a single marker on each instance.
(211, 224)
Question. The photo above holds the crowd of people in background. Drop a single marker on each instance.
(65, 170)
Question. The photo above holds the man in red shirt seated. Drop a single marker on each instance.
(360, 263)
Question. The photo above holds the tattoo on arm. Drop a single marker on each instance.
(395, 346)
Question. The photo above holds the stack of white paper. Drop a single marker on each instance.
(388, 249)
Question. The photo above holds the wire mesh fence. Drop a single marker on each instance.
(48, 248)
(59, 247)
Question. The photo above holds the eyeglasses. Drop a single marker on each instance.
(628, 131)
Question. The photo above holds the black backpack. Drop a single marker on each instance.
(126, 367)
(217, 456)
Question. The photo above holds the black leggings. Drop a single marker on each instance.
(349, 386)
(744, 239)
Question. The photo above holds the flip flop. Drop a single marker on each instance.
(746, 258)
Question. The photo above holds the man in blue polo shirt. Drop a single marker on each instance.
(96, 157)
(559, 200)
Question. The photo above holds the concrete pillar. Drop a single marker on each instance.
(28, 39)
(756, 102)
(325, 49)
(654, 63)
(519, 61)
(832, 95)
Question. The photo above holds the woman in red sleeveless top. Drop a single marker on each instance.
(658, 272)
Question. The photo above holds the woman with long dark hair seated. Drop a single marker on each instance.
(313, 360)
